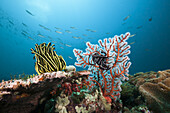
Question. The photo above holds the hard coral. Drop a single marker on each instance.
(61, 103)
(108, 63)
(157, 92)
(154, 88)
(70, 68)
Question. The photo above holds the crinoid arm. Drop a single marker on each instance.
(46, 59)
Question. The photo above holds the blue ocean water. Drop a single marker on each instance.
(21, 20)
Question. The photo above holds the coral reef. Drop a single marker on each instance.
(61, 92)
(46, 59)
(108, 63)
(52, 92)
(32, 95)
(61, 89)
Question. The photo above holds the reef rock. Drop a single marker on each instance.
(19, 96)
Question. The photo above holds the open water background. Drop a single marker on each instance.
(148, 19)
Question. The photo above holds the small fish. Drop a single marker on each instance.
(61, 47)
(88, 29)
(30, 38)
(58, 38)
(24, 24)
(41, 35)
(126, 18)
(139, 27)
(67, 45)
(54, 41)
(75, 37)
(58, 28)
(41, 25)
(49, 37)
(29, 13)
(73, 28)
(84, 35)
(44, 27)
(132, 35)
(58, 32)
(93, 30)
(79, 37)
(23, 34)
(61, 43)
(68, 31)
(108, 33)
(47, 29)
(11, 22)
(70, 57)
(150, 19)
(131, 43)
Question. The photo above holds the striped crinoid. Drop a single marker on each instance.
(47, 59)
(108, 63)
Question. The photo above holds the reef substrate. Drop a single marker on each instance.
(49, 93)
(19, 96)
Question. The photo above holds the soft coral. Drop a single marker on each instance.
(116, 50)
